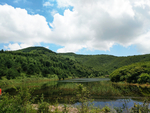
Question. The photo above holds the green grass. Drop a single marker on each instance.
(104, 88)
(29, 82)
(68, 86)
(23, 103)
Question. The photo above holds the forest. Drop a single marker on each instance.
(134, 73)
(106, 64)
(42, 62)
(39, 61)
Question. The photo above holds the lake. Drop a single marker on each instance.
(102, 90)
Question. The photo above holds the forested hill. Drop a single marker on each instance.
(37, 50)
(106, 64)
(134, 73)
(39, 61)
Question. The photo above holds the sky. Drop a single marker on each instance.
(114, 27)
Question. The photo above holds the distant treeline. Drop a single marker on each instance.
(40, 61)
(106, 64)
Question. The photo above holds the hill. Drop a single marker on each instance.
(39, 61)
(135, 73)
(39, 50)
(106, 64)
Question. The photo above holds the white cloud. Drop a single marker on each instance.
(143, 43)
(101, 24)
(70, 48)
(16, 25)
(64, 3)
(92, 24)
(16, 46)
(46, 4)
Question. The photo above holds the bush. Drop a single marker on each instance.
(43, 106)
(106, 109)
(20, 103)
(140, 108)
(144, 78)
(12, 73)
(132, 73)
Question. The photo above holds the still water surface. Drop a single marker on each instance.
(128, 101)
(102, 90)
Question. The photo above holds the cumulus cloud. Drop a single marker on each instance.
(92, 24)
(101, 24)
(16, 46)
(16, 25)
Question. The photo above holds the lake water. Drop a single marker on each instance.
(81, 80)
(102, 90)
(128, 101)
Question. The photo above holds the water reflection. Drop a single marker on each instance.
(99, 88)
(81, 80)
(122, 103)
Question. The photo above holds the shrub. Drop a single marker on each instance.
(144, 78)
(140, 108)
(106, 109)
(20, 103)
(43, 106)
(12, 73)
(83, 94)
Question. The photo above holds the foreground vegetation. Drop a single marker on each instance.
(23, 102)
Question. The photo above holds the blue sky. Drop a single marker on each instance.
(119, 28)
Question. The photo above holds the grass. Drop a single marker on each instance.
(23, 102)
(28, 81)
(64, 91)
(104, 88)
(68, 86)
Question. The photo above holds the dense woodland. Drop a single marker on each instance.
(134, 73)
(106, 64)
(40, 61)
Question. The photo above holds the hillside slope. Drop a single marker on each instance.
(39, 61)
(137, 72)
(106, 64)
(39, 50)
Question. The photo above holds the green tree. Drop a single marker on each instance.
(30, 70)
(45, 71)
(8, 64)
(12, 73)
(24, 67)
(3, 71)
(144, 78)
(83, 94)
